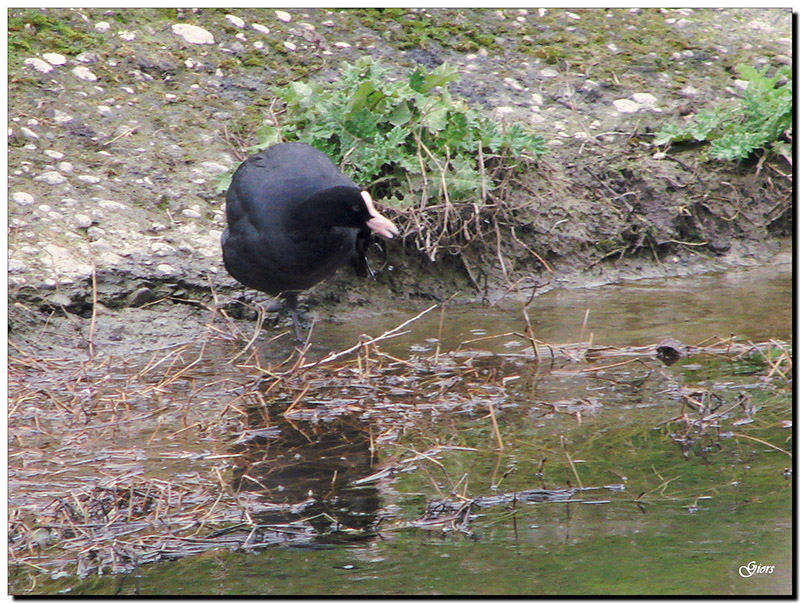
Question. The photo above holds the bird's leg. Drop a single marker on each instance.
(359, 259)
(370, 271)
(290, 298)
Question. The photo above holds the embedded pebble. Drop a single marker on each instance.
(83, 221)
(512, 83)
(165, 269)
(290, 45)
(128, 36)
(688, 91)
(87, 179)
(212, 167)
(741, 84)
(573, 16)
(95, 232)
(69, 202)
(52, 154)
(624, 105)
(161, 249)
(548, 72)
(341, 45)
(39, 65)
(193, 34)
(759, 25)
(113, 205)
(28, 133)
(282, 15)
(51, 178)
(60, 117)
(87, 57)
(260, 28)
(21, 198)
(644, 99)
(65, 167)
(192, 213)
(104, 109)
(102, 26)
(140, 297)
(590, 87)
(235, 21)
(84, 73)
(54, 58)
(16, 265)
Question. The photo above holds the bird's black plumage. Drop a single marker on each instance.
(293, 220)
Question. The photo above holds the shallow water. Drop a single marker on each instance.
(641, 518)
(755, 304)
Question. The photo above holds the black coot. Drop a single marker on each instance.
(293, 220)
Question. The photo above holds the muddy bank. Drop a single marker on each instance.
(121, 123)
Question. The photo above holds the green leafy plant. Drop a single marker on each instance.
(763, 120)
(408, 132)
(413, 145)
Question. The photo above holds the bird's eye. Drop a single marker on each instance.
(355, 209)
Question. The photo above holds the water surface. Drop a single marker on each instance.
(644, 515)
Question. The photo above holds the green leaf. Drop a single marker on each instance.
(223, 182)
(400, 115)
(705, 123)
(359, 98)
(269, 134)
(440, 76)
(362, 124)
(435, 118)
(456, 130)
(466, 178)
(417, 82)
(736, 146)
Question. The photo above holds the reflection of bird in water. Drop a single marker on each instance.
(309, 465)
